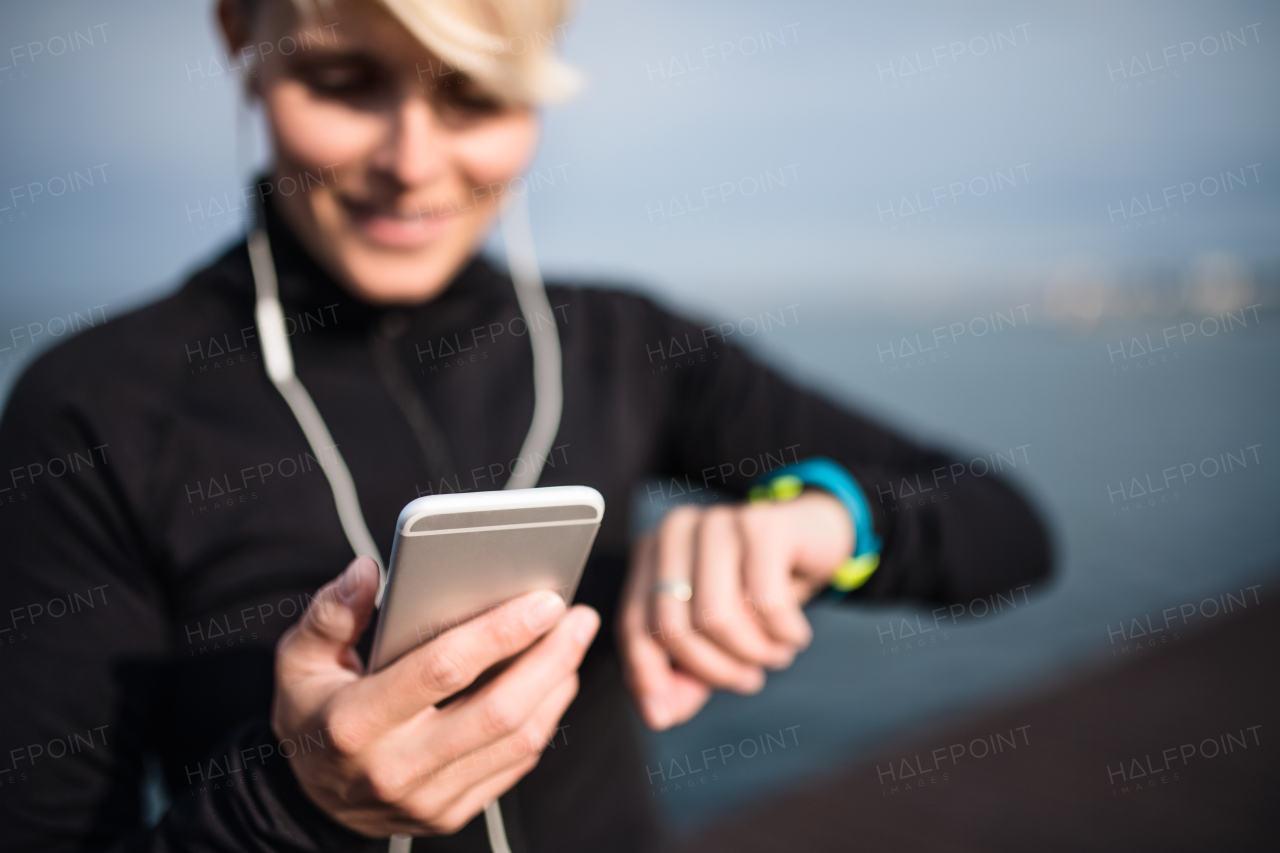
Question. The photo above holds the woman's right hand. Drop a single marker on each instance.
(394, 763)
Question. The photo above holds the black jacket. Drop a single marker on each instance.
(163, 522)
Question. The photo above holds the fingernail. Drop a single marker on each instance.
(544, 608)
(657, 712)
(584, 626)
(349, 581)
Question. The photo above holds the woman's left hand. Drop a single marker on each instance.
(714, 598)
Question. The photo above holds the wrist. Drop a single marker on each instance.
(789, 482)
(828, 537)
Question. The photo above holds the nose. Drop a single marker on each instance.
(416, 149)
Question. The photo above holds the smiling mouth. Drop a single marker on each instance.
(396, 228)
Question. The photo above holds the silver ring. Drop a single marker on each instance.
(679, 590)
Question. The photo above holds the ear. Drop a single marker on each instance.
(532, 138)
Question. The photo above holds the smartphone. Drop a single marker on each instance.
(457, 556)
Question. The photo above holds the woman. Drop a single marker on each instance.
(162, 488)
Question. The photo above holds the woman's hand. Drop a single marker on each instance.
(392, 762)
(714, 598)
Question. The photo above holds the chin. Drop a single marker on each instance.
(386, 278)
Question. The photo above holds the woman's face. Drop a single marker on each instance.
(407, 159)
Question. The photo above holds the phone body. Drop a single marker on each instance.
(456, 556)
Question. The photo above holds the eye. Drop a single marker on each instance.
(343, 78)
(466, 98)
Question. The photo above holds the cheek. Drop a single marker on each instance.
(497, 151)
(314, 133)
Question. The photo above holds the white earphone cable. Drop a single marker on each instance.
(547, 408)
(548, 387)
(278, 358)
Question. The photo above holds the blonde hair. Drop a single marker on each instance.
(506, 46)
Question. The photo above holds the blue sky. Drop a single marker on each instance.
(860, 154)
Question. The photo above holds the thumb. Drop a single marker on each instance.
(333, 623)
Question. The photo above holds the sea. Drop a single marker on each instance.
(1150, 447)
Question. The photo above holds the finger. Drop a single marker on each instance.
(720, 607)
(536, 735)
(635, 601)
(475, 799)
(644, 663)
(460, 780)
(672, 561)
(674, 545)
(685, 696)
(332, 624)
(440, 668)
(420, 813)
(671, 625)
(766, 568)
(704, 660)
(443, 758)
(663, 695)
(472, 801)
(507, 703)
